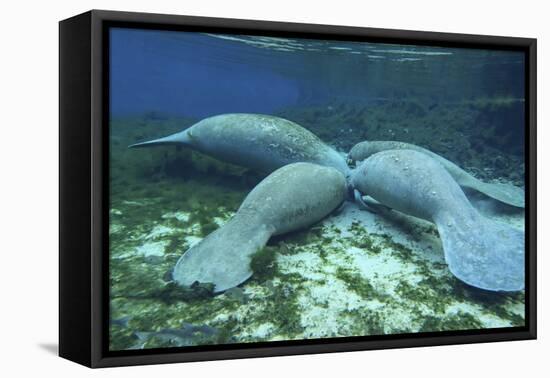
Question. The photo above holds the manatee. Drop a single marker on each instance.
(506, 193)
(260, 142)
(479, 251)
(293, 197)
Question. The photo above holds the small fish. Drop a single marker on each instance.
(153, 260)
(237, 293)
(270, 287)
(122, 322)
(187, 335)
(284, 247)
(167, 277)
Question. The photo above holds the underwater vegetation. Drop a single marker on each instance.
(352, 274)
(475, 134)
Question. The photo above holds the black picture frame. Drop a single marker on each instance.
(84, 172)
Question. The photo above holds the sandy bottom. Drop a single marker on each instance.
(356, 273)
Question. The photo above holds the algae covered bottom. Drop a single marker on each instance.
(355, 273)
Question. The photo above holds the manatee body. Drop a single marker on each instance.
(293, 197)
(506, 193)
(479, 251)
(261, 142)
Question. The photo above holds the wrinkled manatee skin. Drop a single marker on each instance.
(505, 193)
(479, 251)
(260, 142)
(293, 197)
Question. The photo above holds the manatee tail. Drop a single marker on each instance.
(506, 193)
(182, 137)
(483, 253)
(223, 257)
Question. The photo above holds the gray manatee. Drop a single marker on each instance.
(479, 251)
(506, 193)
(261, 142)
(293, 197)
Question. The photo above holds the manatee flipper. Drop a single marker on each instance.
(223, 257)
(479, 251)
(294, 196)
(370, 204)
(359, 199)
(506, 193)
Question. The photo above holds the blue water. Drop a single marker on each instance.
(185, 74)
(193, 74)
